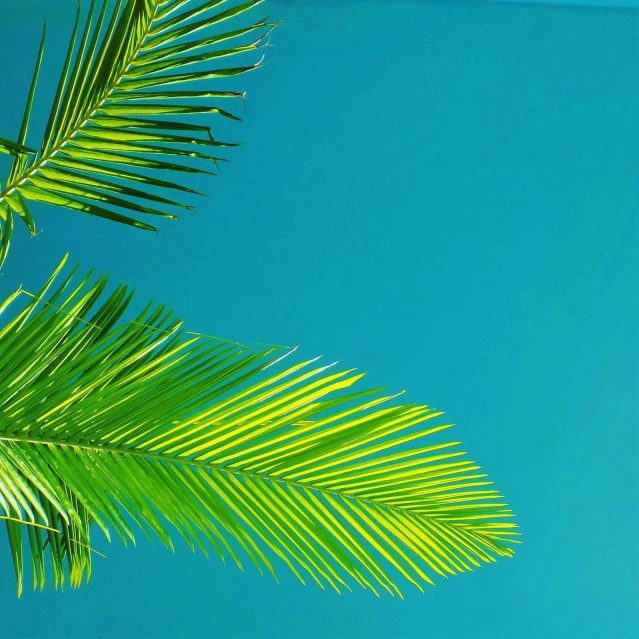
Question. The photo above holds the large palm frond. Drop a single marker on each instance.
(117, 115)
(110, 420)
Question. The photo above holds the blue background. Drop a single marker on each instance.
(445, 195)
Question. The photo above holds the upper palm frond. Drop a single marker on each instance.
(109, 422)
(117, 113)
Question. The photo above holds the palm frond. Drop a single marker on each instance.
(121, 108)
(112, 420)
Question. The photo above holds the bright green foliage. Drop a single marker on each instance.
(104, 133)
(113, 421)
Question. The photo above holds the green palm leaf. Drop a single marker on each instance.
(114, 421)
(121, 109)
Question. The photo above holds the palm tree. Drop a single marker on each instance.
(115, 421)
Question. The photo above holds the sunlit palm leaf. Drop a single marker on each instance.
(121, 108)
(110, 420)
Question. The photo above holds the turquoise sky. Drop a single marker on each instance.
(446, 196)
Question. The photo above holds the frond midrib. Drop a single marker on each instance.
(86, 116)
(225, 469)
